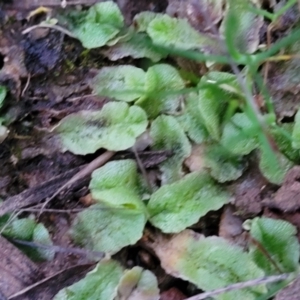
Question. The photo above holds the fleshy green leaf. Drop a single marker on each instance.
(126, 83)
(226, 81)
(279, 239)
(138, 284)
(176, 206)
(211, 105)
(3, 93)
(142, 20)
(161, 82)
(20, 229)
(109, 229)
(107, 226)
(296, 131)
(41, 236)
(102, 23)
(138, 46)
(210, 263)
(192, 121)
(274, 167)
(115, 127)
(167, 134)
(178, 33)
(222, 165)
(100, 283)
(240, 135)
(284, 141)
(117, 185)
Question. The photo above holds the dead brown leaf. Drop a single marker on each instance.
(231, 227)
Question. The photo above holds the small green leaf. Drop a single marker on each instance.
(296, 131)
(222, 164)
(109, 229)
(3, 93)
(240, 135)
(115, 128)
(138, 46)
(41, 236)
(126, 83)
(284, 141)
(279, 239)
(191, 120)
(162, 81)
(167, 134)
(274, 167)
(100, 283)
(178, 33)
(102, 23)
(211, 105)
(117, 184)
(107, 226)
(114, 174)
(210, 263)
(20, 229)
(174, 207)
(138, 284)
(142, 20)
(226, 81)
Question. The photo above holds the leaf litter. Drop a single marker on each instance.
(204, 184)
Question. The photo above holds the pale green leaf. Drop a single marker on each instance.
(226, 81)
(240, 135)
(174, 207)
(296, 131)
(274, 167)
(124, 82)
(210, 263)
(114, 174)
(115, 127)
(107, 226)
(20, 229)
(106, 12)
(124, 35)
(191, 120)
(3, 93)
(162, 80)
(284, 141)
(211, 106)
(279, 239)
(41, 236)
(142, 20)
(138, 46)
(102, 23)
(178, 33)
(100, 283)
(109, 229)
(117, 184)
(138, 284)
(222, 165)
(167, 134)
